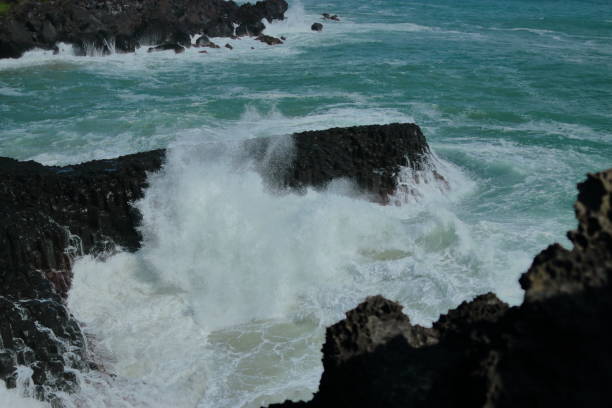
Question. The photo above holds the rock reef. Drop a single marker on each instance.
(122, 26)
(50, 214)
(551, 351)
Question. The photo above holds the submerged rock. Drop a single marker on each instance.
(550, 351)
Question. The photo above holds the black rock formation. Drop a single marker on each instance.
(333, 17)
(123, 25)
(551, 351)
(267, 39)
(316, 27)
(45, 211)
(204, 41)
(50, 214)
(369, 156)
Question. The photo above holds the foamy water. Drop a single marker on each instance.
(227, 302)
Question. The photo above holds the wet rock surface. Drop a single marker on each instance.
(49, 214)
(204, 41)
(266, 39)
(332, 17)
(369, 156)
(553, 350)
(121, 26)
(40, 336)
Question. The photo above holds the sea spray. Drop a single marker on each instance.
(523, 116)
(225, 304)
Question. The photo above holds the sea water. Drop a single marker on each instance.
(227, 302)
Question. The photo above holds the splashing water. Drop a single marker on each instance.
(226, 303)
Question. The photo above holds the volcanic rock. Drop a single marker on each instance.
(327, 16)
(204, 41)
(316, 27)
(50, 214)
(250, 29)
(369, 156)
(120, 26)
(551, 351)
(269, 40)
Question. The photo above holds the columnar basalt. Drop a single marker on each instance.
(50, 214)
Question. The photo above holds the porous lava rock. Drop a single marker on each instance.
(553, 350)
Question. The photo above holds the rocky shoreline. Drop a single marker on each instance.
(551, 351)
(50, 214)
(120, 26)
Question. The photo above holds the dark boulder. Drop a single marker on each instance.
(333, 17)
(316, 27)
(370, 156)
(229, 46)
(551, 351)
(204, 41)
(269, 40)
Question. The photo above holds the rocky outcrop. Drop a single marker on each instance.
(46, 211)
(332, 17)
(50, 214)
(551, 351)
(87, 207)
(266, 39)
(370, 156)
(204, 41)
(47, 216)
(316, 27)
(121, 26)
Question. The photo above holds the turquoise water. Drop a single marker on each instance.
(515, 98)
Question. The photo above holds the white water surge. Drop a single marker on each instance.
(226, 303)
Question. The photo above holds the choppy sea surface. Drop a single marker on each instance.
(227, 302)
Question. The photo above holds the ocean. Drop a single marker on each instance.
(227, 302)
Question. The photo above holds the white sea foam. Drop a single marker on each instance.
(226, 303)
(11, 398)
(20, 397)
